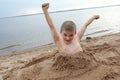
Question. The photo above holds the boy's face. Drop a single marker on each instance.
(68, 36)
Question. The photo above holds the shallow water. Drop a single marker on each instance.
(23, 32)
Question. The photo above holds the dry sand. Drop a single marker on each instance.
(99, 61)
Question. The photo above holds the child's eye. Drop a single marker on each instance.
(65, 34)
(71, 35)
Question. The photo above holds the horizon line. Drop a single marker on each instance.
(63, 11)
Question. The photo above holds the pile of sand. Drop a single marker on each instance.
(55, 67)
(67, 62)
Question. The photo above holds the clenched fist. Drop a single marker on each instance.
(45, 6)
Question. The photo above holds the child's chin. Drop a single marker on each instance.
(68, 42)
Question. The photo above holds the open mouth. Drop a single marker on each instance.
(67, 41)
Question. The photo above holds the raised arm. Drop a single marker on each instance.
(84, 27)
(45, 7)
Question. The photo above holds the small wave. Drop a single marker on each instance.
(47, 44)
(7, 47)
(101, 31)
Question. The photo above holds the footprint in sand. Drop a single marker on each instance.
(108, 56)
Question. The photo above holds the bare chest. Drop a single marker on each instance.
(72, 48)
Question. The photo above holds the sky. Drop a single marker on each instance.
(10, 8)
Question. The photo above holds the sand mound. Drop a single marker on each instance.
(63, 66)
(64, 62)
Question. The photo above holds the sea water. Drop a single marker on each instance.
(28, 31)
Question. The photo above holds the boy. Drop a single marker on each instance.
(68, 41)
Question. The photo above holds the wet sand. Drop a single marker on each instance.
(99, 61)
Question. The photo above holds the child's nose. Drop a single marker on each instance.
(67, 38)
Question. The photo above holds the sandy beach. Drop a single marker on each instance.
(99, 61)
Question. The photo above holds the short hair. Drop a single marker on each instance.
(68, 25)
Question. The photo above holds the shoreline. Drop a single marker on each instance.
(45, 45)
(35, 63)
(52, 44)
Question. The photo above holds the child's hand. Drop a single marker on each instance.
(45, 6)
(96, 16)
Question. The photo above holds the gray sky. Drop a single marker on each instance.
(23, 7)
